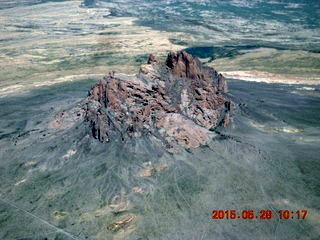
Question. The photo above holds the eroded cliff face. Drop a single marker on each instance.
(178, 102)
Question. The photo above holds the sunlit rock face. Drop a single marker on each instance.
(178, 102)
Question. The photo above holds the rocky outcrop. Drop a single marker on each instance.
(121, 222)
(177, 102)
(183, 65)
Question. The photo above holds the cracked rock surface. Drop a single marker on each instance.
(178, 102)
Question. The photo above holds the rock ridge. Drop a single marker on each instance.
(178, 102)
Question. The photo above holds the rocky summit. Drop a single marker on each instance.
(178, 102)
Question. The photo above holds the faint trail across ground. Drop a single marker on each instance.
(59, 230)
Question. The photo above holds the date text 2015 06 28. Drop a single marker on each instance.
(263, 214)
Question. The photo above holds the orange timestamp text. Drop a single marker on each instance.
(263, 214)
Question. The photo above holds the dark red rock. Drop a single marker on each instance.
(179, 101)
(152, 59)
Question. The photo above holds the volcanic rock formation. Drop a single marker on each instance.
(177, 102)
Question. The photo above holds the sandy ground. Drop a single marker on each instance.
(54, 42)
(256, 76)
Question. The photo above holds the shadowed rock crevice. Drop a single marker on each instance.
(178, 102)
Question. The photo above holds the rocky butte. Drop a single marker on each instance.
(178, 102)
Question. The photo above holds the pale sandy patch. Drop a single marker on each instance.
(256, 76)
